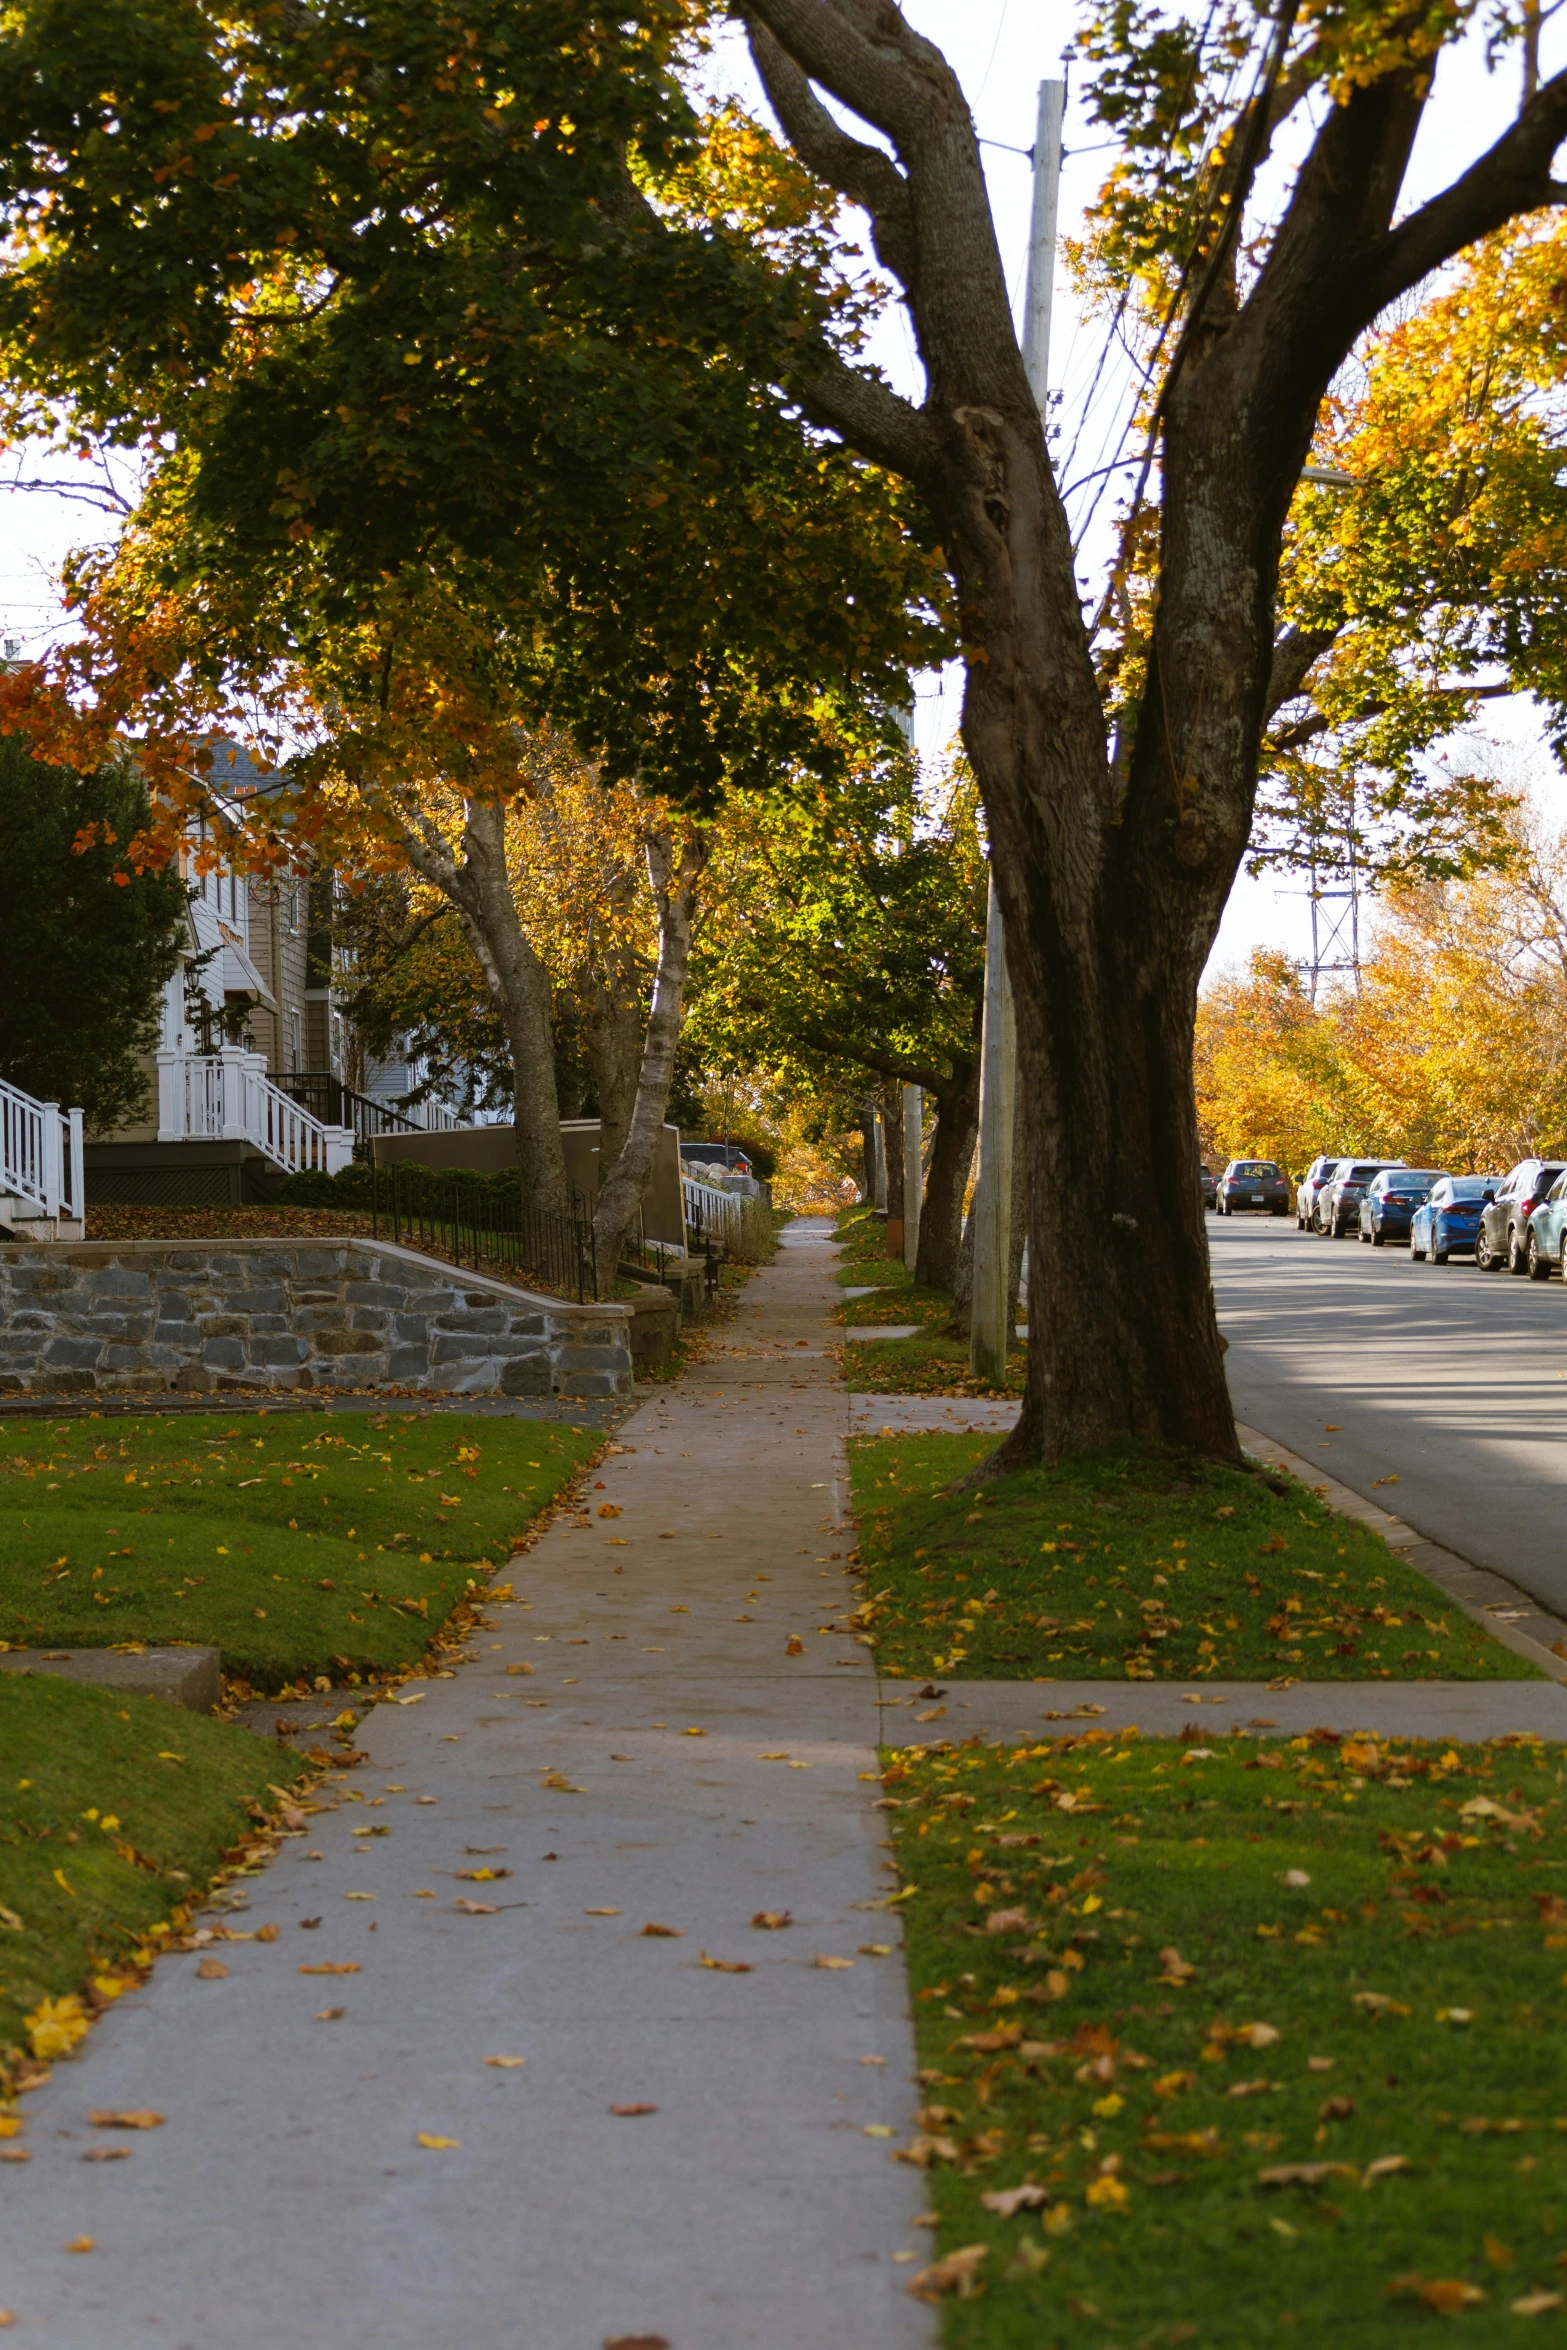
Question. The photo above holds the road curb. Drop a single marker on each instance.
(1479, 1591)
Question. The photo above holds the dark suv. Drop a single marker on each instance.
(1253, 1183)
(1503, 1238)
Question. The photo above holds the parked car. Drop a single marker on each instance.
(1544, 1247)
(1504, 1221)
(1338, 1203)
(1447, 1222)
(1390, 1200)
(1312, 1185)
(1207, 1183)
(1253, 1183)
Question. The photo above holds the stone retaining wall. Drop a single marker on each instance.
(147, 1316)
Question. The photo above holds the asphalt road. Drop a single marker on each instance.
(1441, 1388)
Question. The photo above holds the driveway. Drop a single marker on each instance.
(1442, 1388)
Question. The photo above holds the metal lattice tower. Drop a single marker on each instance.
(1333, 891)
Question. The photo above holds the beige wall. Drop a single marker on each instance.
(490, 1150)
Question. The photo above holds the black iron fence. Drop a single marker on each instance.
(481, 1221)
(326, 1097)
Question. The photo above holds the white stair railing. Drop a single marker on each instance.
(227, 1096)
(712, 1210)
(41, 1155)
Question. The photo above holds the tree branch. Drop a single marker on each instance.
(874, 419)
(1293, 656)
(857, 170)
(1308, 729)
(1512, 176)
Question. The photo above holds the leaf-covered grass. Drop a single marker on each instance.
(299, 1546)
(1139, 1565)
(899, 1301)
(929, 1363)
(114, 1814)
(1147, 1975)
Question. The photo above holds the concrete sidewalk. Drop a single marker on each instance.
(288, 2194)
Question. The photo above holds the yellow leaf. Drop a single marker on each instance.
(506, 2063)
(876, 2130)
(726, 1966)
(669, 1933)
(337, 1966)
(141, 2119)
(427, 2138)
(55, 2026)
(1108, 2194)
(828, 1962)
(59, 1878)
(771, 1921)
(79, 2244)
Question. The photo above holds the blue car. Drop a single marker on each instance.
(1447, 1222)
(1390, 1200)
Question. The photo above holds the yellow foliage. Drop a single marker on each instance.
(1453, 1054)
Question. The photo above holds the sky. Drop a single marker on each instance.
(1001, 50)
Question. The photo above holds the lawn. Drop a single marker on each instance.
(1138, 1565)
(300, 1545)
(1300, 2078)
(929, 1363)
(117, 1812)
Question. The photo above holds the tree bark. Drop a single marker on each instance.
(868, 1146)
(675, 878)
(892, 1139)
(478, 888)
(952, 1155)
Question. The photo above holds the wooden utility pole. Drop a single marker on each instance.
(990, 1327)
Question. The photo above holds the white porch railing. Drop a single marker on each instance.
(41, 1155)
(227, 1096)
(713, 1211)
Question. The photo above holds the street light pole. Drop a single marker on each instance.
(990, 1325)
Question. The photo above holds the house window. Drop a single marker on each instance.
(296, 1043)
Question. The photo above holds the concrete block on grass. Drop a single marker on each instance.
(182, 1676)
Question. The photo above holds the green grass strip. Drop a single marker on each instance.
(300, 1546)
(114, 1814)
(1236, 2046)
(1137, 1565)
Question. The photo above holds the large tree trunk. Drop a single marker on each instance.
(675, 880)
(952, 1155)
(1113, 870)
(479, 890)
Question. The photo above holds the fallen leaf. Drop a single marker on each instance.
(1008, 2201)
(493, 1876)
(594, 1913)
(958, 2273)
(1384, 2167)
(427, 2138)
(1535, 2304)
(794, 1646)
(1304, 2174)
(506, 2063)
(142, 2118)
(630, 2109)
(79, 2244)
(874, 1949)
(609, 1509)
(211, 1970)
(832, 1962)
(1176, 1969)
(333, 1966)
(1258, 2035)
(1296, 1877)
(1446, 2295)
(515, 1669)
(726, 1966)
(638, 2342)
(329, 2015)
(1378, 2003)
(107, 2154)
(476, 1909)
(665, 1933)
(1007, 1921)
(772, 1921)
(877, 2130)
